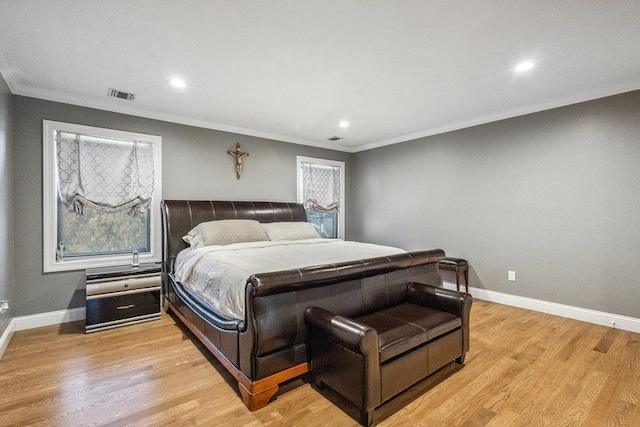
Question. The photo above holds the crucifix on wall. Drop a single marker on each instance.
(238, 154)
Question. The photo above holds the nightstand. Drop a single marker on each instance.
(122, 295)
(457, 265)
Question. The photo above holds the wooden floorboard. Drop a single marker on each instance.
(524, 369)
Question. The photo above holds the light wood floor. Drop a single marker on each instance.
(524, 369)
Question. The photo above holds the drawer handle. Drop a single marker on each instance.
(126, 307)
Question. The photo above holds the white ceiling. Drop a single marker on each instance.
(292, 70)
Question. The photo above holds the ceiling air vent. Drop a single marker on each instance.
(335, 138)
(122, 95)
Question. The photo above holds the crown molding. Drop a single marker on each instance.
(507, 114)
(48, 95)
(87, 102)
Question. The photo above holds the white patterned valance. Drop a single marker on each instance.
(321, 187)
(107, 174)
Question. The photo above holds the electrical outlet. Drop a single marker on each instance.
(4, 306)
(512, 276)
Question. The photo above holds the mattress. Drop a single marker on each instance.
(219, 274)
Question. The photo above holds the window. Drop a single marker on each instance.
(321, 190)
(101, 198)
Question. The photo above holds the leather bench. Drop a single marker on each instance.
(371, 357)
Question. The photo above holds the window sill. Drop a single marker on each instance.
(83, 264)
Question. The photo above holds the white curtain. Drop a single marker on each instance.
(321, 187)
(109, 175)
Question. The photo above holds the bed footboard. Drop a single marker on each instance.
(275, 335)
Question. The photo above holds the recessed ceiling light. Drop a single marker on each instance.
(177, 82)
(343, 124)
(524, 66)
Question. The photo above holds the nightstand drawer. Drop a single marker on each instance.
(122, 308)
(122, 284)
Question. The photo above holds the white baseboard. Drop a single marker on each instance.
(38, 320)
(6, 336)
(583, 314)
(577, 313)
(50, 318)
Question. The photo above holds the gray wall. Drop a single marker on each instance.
(6, 202)
(195, 165)
(554, 196)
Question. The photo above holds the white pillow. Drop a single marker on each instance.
(225, 232)
(290, 231)
(194, 240)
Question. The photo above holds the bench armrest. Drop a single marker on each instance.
(344, 331)
(344, 354)
(447, 300)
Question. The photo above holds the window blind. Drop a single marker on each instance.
(109, 175)
(321, 187)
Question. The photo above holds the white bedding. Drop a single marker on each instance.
(218, 274)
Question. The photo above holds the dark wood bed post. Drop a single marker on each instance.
(257, 394)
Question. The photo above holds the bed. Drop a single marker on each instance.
(265, 344)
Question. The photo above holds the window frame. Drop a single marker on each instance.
(325, 162)
(50, 200)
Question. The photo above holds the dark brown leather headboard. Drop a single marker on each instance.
(180, 216)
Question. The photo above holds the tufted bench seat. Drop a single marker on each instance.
(406, 326)
(374, 356)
